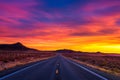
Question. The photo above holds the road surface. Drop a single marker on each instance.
(56, 68)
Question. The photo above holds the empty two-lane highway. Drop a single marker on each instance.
(56, 68)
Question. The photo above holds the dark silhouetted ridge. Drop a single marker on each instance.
(65, 51)
(15, 46)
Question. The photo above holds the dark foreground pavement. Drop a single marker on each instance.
(57, 68)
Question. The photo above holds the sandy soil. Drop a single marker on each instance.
(11, 64)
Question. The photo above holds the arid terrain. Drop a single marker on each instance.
(10, 59)
(105, 62)
(20, 55)
(12, 55)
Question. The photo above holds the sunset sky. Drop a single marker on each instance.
(85, 25)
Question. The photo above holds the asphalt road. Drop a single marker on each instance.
(57, 68)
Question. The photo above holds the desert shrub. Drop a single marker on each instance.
(107, 62)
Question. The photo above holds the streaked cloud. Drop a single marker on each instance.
(57, 23)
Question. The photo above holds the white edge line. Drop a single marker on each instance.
(11, 74)
(89, 71)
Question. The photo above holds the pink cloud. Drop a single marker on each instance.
(101, 4)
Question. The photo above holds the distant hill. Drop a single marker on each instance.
(15, 46)
(66, 51)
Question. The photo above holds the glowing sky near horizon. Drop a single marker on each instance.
(85, 25)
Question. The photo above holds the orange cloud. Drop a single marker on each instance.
(42, 25)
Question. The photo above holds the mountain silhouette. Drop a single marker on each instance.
(65, 51)
(15, 46)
